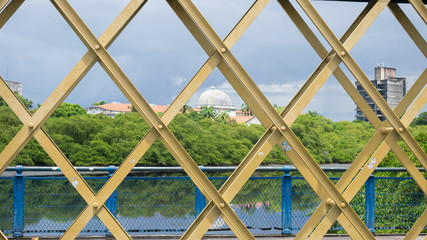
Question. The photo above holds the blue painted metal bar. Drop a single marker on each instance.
(287, 203)
(18, 203)
(200, 199)
(370, 203)
(111, 202)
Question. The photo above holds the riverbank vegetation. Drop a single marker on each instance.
(211, 139)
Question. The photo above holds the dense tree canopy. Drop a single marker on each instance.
(210, 138)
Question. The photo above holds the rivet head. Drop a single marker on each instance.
(97, 47)
(342, 53)
(400, 129)
(222, 205)
(330, 202)
(95, 205)
(283, 128)
(273, 128)
(342, 205)
(31, 125)
(223, 50)
(160, 126)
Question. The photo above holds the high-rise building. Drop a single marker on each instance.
(391, 88)
(15, 86)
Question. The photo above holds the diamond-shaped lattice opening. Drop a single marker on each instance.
(160, 204)
(6, 208)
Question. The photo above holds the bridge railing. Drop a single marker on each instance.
(37, 203)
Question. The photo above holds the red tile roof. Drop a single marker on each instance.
(116, 106)
(242, 119)
(127, 107)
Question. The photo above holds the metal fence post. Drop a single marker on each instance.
(287, 202)
(200, 199)
(111, 202)
(370, 203)
(18, 203)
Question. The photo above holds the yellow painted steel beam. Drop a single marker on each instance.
(8, 11)
(145, 110)
(236, 71)
(2, 236)
(172, 110)
(364, 81)
(288, 117)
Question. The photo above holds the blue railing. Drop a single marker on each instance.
(41, 205)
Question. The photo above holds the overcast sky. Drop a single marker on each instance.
(156, 51)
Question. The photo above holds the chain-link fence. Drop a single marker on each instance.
(151, 205)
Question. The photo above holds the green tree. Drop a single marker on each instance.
(420, 120)
(27, 103)
(98, 103)
(186, 109)
(246, 110)
(208, 112)
(223, 117)
(68, 110)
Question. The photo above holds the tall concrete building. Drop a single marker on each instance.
(391, 88)
(15, 86)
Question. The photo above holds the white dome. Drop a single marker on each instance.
(214, 97)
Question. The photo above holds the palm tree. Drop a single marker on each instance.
(186, 109)
(208, 112)
(223, 117)
(246, 110)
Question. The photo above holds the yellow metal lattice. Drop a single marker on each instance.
(335, 198)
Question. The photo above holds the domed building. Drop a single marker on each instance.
(218, 99)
